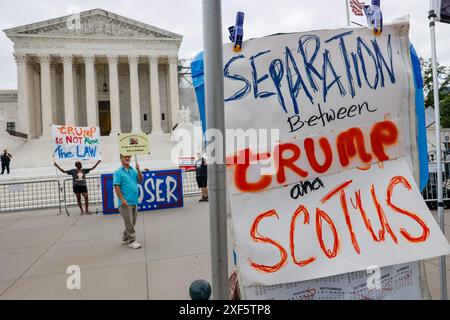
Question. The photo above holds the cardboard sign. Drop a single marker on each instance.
(333, 192)
(159, 190)
(131, 144)
(76, 143)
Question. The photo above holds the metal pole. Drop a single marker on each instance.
(214, 98)
(440, 203)
(59, 187)
(59, 197)
(65, 198)
(347, 4)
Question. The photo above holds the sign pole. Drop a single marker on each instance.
(347, 7)
(215, 115)
(432, 16)
(59, 186)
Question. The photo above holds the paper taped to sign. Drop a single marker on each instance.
(332, 193)
(400, 282)
(76, 143)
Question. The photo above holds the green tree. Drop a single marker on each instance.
(444, 89)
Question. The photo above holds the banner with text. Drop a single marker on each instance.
(159, 190)
(76, 143)
(332, 192)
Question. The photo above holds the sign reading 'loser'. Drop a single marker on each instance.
(159, 190)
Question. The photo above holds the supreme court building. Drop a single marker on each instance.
(96, 69)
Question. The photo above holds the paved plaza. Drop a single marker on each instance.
(36, 247)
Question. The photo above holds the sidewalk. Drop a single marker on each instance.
(432, 266)
(37, 247)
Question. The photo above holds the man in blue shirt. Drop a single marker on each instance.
(126, 182)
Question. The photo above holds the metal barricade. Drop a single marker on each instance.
(94, 186)
(190, 183)
(429, 194)
(32, 195)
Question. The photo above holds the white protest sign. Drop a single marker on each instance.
(308, 83)
(340, 195)
(76, 143)
(350, 222)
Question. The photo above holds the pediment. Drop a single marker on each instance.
(93, 23)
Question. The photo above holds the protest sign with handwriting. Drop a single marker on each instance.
(76, 143)
(334, 192)
(131, 144)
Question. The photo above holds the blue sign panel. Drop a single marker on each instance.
(159, 190)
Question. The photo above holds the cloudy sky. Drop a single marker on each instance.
(263, 17)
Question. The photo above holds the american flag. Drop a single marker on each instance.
(357, 7)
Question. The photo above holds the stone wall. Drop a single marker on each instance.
(8, 105)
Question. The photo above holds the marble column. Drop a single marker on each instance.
(55, 112)
(114, 93)
(134, 91)
(46, 95)
(174, 90)
(154, 94)
(23, 125)
(91, 91)
(69, 101)
(35, 102)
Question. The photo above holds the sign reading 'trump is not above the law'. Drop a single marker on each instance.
(76, 143)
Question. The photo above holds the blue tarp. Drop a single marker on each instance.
(198, 78)
(420, 112)
(197, 67)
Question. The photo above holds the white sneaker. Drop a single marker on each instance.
(135, 245)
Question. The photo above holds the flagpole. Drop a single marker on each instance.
(347, 4)
(440, 202)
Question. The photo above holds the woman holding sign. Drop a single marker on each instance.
(79, 183)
